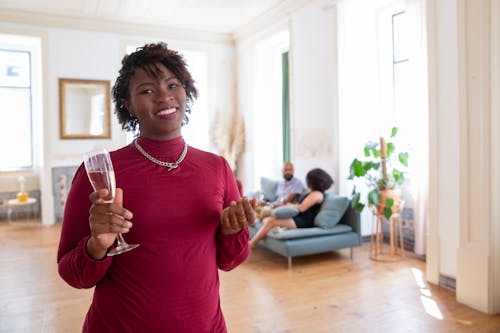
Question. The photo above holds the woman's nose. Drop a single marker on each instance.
(164, 95)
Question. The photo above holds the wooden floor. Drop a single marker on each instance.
(321, 293)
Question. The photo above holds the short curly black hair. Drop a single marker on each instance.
(318, 180)
(146, 57)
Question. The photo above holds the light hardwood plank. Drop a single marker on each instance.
(321, 293)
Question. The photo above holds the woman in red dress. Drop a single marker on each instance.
(179, 203)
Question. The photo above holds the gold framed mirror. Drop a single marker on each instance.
(84, 109)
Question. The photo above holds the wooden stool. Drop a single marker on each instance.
(396, 251)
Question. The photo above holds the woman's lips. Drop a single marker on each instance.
(167, 113)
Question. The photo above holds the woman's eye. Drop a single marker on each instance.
(173, 85)
(147, 91)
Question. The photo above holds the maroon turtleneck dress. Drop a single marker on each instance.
(170, 283)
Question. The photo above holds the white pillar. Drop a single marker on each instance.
(478, 264)
(495, 156)
(47, 197)
(432, 237)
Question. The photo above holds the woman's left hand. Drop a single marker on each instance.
(237, 216)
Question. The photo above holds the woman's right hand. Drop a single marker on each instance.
(106, 220)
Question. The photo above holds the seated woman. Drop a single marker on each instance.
(318, 181)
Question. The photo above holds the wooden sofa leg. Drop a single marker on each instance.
(351, 253)
(289, 262)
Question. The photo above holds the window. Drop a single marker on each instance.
(271, 114)
(402, 79)
(19, 61)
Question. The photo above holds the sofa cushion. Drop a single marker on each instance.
(309, 232)
(269, 188)
(332, 210)
(285, 212)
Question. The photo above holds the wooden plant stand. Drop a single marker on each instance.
(377, 246)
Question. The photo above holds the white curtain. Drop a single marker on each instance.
(419, 165)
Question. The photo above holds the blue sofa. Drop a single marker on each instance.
(337, 226)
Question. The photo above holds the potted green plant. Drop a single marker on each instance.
(383, 172)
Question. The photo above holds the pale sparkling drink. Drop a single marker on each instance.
(102, 176)
(104, 179)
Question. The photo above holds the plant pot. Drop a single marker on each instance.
(384, 194)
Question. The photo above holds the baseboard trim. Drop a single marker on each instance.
(447, 282)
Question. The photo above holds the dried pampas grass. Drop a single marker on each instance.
(228, 135)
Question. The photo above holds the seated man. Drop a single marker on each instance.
(290, 189)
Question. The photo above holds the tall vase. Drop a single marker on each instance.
(22, 195)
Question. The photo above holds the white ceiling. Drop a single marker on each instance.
(216, 16)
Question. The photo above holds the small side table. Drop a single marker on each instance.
(396, 251)
(14, 203)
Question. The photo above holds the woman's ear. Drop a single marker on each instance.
(125, 104)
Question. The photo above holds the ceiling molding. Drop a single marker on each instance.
(281, 12)
(96, 25)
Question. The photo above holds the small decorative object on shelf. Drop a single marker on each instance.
(22, 195)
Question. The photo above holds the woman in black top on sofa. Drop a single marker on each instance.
(318, 181)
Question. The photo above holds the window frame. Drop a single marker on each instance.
(6, 45)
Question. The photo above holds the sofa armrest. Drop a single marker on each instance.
(353, 219)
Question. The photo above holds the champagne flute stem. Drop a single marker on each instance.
(120, 240)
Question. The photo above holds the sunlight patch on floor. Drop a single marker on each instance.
(428, 302)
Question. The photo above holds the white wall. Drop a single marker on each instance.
(81, 55)
(252, 105)
(313, 91)
(313, 99)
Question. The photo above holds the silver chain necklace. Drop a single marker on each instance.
(168, 165)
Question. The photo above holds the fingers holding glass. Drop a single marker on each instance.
(102, 176)
(115, 223)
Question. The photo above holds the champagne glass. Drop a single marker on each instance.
(101, 175)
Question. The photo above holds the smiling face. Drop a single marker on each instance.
(157, 101)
